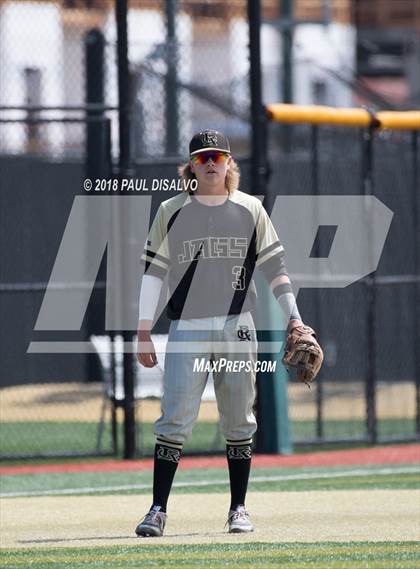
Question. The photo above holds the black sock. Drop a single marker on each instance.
(239, 461)
(167, 455)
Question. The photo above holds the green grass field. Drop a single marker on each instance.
(360, 555)
(38, 437)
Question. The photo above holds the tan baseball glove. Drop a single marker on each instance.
(302, 353)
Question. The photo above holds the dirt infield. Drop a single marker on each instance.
(358, 515)
(83, 402)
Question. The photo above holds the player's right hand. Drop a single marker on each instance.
(146, 354)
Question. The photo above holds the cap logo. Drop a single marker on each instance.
(209, 138)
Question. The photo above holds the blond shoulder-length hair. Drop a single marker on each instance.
(231, 181)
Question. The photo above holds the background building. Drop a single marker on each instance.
(189, 63)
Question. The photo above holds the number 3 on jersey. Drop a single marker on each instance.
(238, 272)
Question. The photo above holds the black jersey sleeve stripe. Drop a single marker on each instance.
(277, 251)
(150, 259)
(156, 256)
(273, 267)
(268, 249)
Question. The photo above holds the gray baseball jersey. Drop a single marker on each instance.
(210, 252)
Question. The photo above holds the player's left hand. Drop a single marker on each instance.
(302, 352)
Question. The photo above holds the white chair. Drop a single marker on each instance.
(147, 381)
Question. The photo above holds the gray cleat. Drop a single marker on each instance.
(239, 521)
(152, 525)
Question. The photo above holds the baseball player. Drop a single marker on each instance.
(207, 243)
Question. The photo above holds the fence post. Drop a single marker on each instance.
(171, 89)
(94, 51)
(288, 28)
(97, 165)
(416, 214)
(318, 311)
(259, 164)
(124, 171)
(287, 41)
(371, 380)
(98, 157)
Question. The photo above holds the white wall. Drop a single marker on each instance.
(31, 35)
(27, 33)
(316, 49)
(320, 48)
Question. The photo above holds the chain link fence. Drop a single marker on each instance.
(189, 69)
(368, 388)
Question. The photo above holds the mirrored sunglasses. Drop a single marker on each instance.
(215, 156)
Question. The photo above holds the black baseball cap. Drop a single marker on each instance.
(209, 139)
